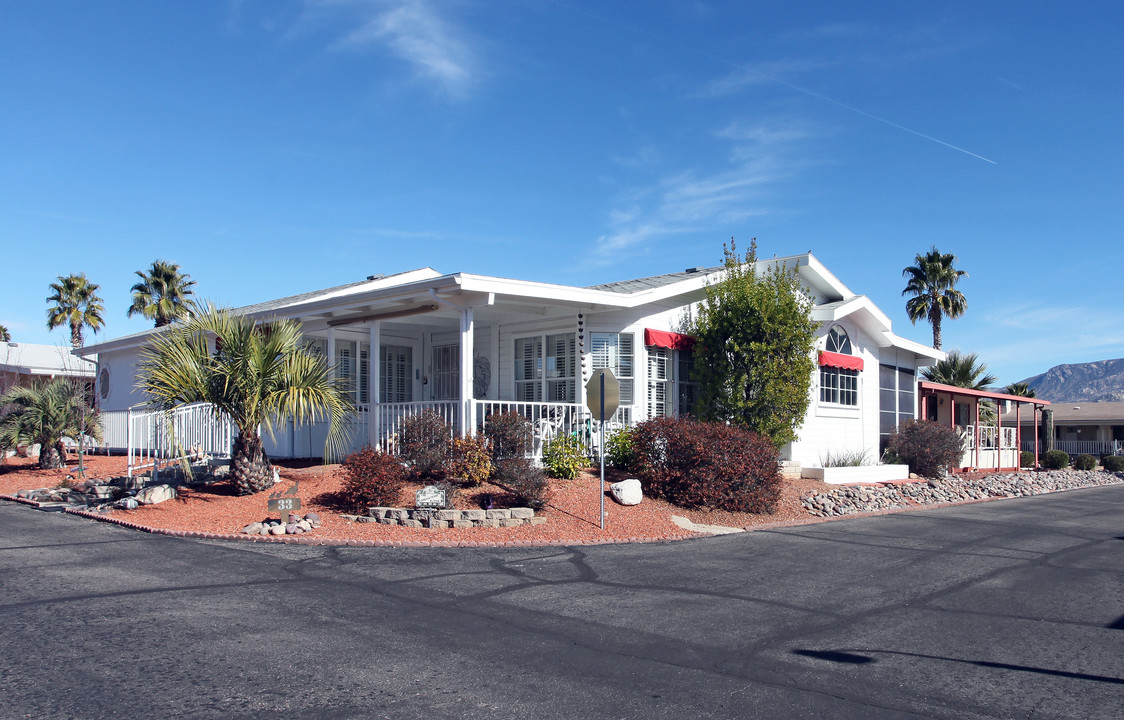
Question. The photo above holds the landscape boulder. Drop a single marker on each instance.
(627, 492)
(156, 494)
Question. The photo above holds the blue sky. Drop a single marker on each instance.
(278, 146)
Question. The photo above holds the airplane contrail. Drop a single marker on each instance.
(791, 86)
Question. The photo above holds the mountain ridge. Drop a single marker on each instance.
(1098, 381)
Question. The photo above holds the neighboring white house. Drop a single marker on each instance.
(469, 346)
(24, 363)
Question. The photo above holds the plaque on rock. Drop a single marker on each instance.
(430, 496)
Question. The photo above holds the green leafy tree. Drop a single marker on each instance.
(753, 356)
(5, 336)
(257, 376)
(1020, 389)
(932, 282)
(163, 294)
(45, 413)
(76, 303)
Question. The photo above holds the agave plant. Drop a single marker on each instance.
(258, 376)
(45, 413)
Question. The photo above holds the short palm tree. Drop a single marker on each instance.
(960, 370)
(1020, 389)
(163, 295)
(257, 376)
(5, 336)
(932, 283)
(45, 413)
(76, 303)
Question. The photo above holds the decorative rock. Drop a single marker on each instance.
(253, 528)
(313, 518)
(377, 512)
(277, 530)
(291, 529)
(448, 514)
(461, 523)
(473, 514)
(487, 522)
(156, 494)
(304, 525)
(510, 522)
(127, 503)
(410, 523)
(627, 492)
(497, 514)
(522, 513)
(537, 521)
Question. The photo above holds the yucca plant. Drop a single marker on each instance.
(45, 413)
(259, 376)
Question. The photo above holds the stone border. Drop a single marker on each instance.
(440, 519)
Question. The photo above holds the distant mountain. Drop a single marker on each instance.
(1101, 381)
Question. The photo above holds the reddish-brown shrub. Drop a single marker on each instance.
(930, 449)
(423, 442)
(372, 478)
(692, 463)
(510, 434)
(526, 482)
(469, 461)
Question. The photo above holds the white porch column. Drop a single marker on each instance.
(374, 394)
(332, 352)
(468, 407)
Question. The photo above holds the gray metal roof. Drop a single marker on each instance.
(655, 281)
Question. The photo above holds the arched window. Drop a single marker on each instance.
(839, 382)
(838, 341)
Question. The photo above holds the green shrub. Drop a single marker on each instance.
(563, 457)
(525, 481)
(1085, 462)
(844, 458)
(1055, 459)
(510, 435)
(620, 449)
(372, 478)
(1026, 459)
(692, 463)
(1113, 463)
(470, 461)
(930, 449)
(423, 442)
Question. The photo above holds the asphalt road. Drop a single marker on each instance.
(1002, 609)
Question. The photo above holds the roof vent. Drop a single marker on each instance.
(376, 277)
(692, 270)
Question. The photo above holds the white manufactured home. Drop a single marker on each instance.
(469, 346)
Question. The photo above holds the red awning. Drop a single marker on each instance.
(670, 340)
(847, 362)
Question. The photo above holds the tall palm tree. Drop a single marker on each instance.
(5, 336)
(1020, 389)
(45, 413)
(931, 282)
(76, 303)
(960, 370)
(163, 295)
(257, 377)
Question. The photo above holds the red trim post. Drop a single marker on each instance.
(1019, 434)
(1035, 437)
(998, 437)
(976, 464)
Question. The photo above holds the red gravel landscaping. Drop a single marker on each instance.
(572, 514)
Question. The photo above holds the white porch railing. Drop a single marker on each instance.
(155, 437)
(1007, 437)
(388, 419)
(1079, 447)
(549, 420)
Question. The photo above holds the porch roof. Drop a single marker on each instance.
(1078, 413)
(924, 385)
(32, 359)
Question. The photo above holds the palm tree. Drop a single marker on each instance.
(76, 303)
(931, 282)
(257, 376)
(45, 413)
(1020, 389)
(960, 370)
(5, 336)
(163, 295)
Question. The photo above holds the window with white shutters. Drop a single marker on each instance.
(615, 352)
(546, 368)
(659, 382)
(396, 364)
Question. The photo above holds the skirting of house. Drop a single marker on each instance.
(862, 474)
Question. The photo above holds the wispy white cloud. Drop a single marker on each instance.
(423, 34)
(695, 199)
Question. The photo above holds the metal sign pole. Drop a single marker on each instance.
(602, 452)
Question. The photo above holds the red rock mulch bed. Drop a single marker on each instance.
(572, 514)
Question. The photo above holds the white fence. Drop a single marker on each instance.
(1079, 447)
(155, 437)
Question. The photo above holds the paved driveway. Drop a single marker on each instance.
(1002, 609)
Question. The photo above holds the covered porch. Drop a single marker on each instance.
(989, 443)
